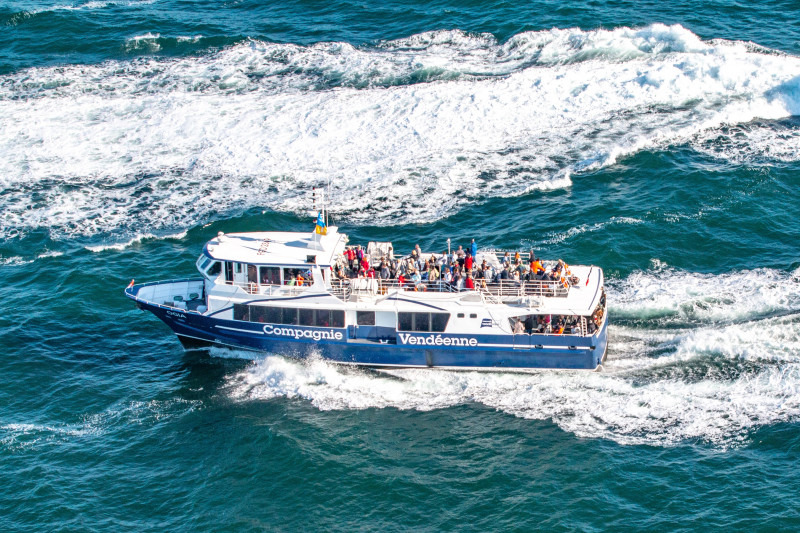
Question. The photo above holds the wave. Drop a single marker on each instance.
(22, 435)
(715, 377)
(414, 128)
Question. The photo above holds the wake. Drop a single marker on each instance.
(706, 358)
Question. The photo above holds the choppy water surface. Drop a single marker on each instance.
(660, 141)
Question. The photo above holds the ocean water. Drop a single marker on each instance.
(658, 140)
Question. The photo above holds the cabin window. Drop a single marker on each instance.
(365, 318)
(202, 263)
(460, 315)
(404, 322)
(241, 312)
(473, 315)
(273, 315)
(306, 317)
(270, 275)
(322, 318)
(422, 321)
(258, 313)
(228, 271)
(289, 316)
(337, 318)
(238, 268)
(439, 321)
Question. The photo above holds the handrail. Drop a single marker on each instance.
(503, 289)
(267, 288)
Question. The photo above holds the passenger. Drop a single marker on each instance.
(447, 277)
(371, 273)
(474, 248)
(460, 256)
(504, 274)
(416, 280)
(519, 327)
(292, 281)
(488, 272)
(537, 267)
(469, 283)
(468, 261)
(385, 272)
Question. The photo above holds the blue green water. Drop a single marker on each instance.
(658, 140)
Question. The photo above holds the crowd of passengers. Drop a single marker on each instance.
(552, 324)
(458, 269)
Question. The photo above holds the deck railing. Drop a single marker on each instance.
(502, 290)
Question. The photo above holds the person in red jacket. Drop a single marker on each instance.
(469, 283)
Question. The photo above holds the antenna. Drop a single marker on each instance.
(318, 202)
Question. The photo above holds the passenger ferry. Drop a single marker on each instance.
(288, 293)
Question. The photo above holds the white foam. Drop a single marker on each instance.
(676, 296)
(661, 386)
(148, 42)
(154, 145)
(139, 238)
(557, 237)
(90, 5)
(16, 435)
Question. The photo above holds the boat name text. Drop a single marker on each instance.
(316, 335)
(437, 340)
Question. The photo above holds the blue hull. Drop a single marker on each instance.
(341, 345)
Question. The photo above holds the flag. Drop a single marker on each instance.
(321, 229)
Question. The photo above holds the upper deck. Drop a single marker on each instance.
(279, 265)
(553, 297)
(285, 249)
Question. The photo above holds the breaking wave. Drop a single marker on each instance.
(416, 127)
(677, 371)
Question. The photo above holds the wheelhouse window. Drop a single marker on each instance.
(270, 275)
(214, 269)
(296, 276)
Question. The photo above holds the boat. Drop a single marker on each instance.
(290, 293)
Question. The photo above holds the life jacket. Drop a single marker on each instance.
(537, 267)
(300, 279)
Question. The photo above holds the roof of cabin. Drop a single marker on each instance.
(280, 248)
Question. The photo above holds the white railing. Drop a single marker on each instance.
(502, 290)
(268, 289)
